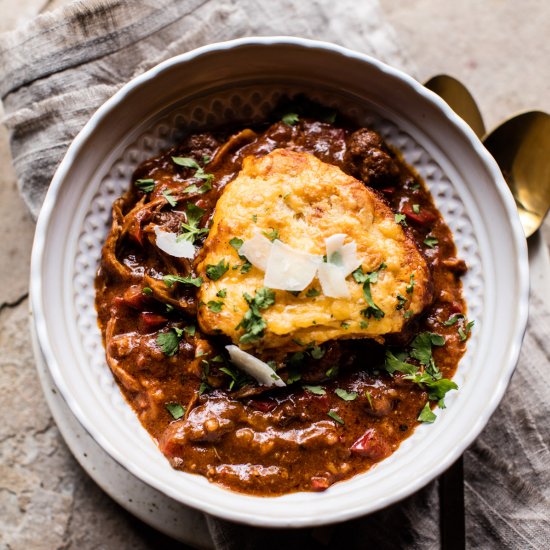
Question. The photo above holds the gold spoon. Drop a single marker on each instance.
(459, 99)
(520, 145)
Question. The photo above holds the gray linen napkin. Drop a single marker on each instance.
(58, 69)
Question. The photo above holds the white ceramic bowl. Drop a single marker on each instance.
(243, 79)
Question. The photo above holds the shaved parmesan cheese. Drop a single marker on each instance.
(168, 243)
(333, 281)
(256, 250)
(342, 255)
(260, 371)
(290, 269)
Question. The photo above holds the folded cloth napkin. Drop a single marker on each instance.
(58, 69)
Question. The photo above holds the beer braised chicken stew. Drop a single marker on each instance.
(201, 348)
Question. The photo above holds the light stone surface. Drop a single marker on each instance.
(498, 48)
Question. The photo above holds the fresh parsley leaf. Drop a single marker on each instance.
(401, 300)
(416, 208)
(145, 185)
(430, 241)
(410, 286)
(190, 329)
(236, 243)
(312, 292)
(169, 308)
(293, 376)
(170, 199)
(393, 364)
(188, 162)
(346, 396)
(254, 218)
(175, 409)
(368, 395)
(344, 325)
(271, 235)
(401, 218)
(215, 271)
(193, 188)
(204, 387)
(332, 372)
(246, 267)
(427, 415)
(169, 280)
(191, 231)
(463, 332)
(169, 341)
(335, 416)
(317, 390)
(147, 290)
(367, 279)
(290, 119)
(407, 314)
(422, 346)
(453, 319)
(222, 293)
(317, 352)
(437, 388)
(364, 324)
(253, 323)
(214, 306)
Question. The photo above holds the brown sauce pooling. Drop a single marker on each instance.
(303, 437)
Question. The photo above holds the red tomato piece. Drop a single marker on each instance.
(422, 217)
(371, 446)
(150, 321)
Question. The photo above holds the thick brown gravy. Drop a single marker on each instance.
(306, 436)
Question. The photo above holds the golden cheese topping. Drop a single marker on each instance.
(301, 200)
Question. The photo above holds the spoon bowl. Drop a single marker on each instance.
(521, 147)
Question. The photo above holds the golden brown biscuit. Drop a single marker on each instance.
(304, 200)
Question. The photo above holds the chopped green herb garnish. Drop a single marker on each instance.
(346, 396)
(236, 243)
(191, 231)
(312, 292)
(453, 319)
(367, 279)
(317, 390)
(345, 325)
(188, 162)
(430, 241)
(204, 387)
(437, 387)
(145, 185)
(335, 416)
(427, 415)
(416, 208)
(407, 314)
(400, 301)
(253, 323)
(463, 332)
(254, 218)
(364, 324)
(217, 359)
(401, 218)
(193, 188)
(215, 271)
(222, 293)
(293, 376)
(271, 235)
(246, 267)
(147, 290)
(214, 306)
(290, 118)
(332, 372)
(167, 194)
(393, 364)
(169, 280)
(169, 341)
(317, 352)
(190, 329)
(422, 346)
(368, 395)
(410, 286)
(175, 409)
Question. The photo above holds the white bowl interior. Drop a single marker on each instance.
(243, 80)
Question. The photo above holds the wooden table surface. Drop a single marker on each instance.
(498, 48)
